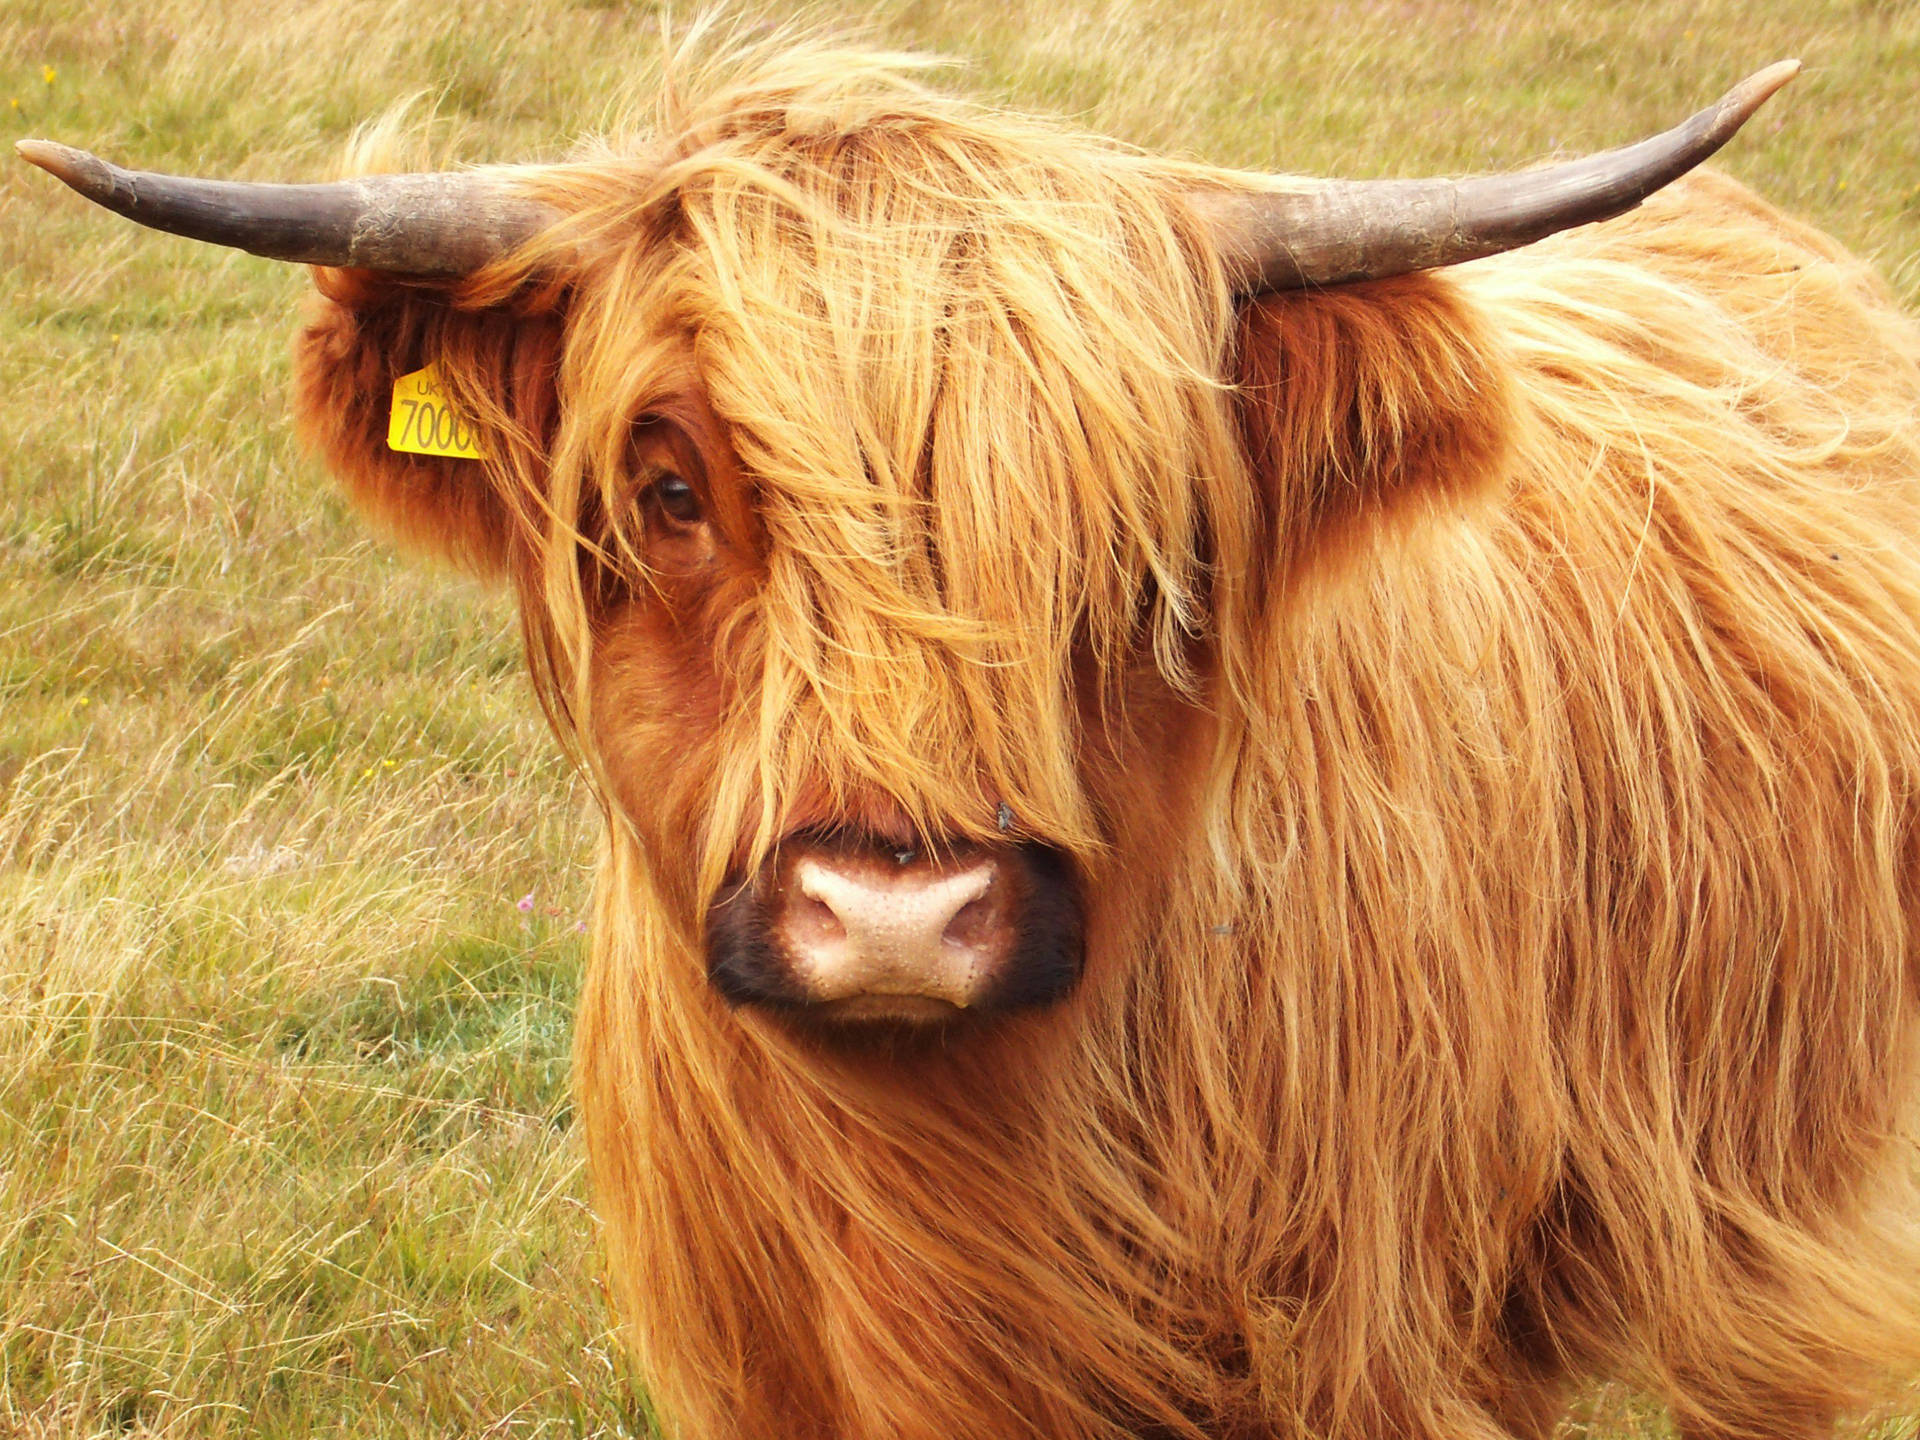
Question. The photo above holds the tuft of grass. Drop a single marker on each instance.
(285, 1143)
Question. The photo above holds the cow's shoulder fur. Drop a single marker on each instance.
(1657, 706)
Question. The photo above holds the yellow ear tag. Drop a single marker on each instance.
(424, 421)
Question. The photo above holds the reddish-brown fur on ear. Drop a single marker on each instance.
(361, 333)
(1365, 405)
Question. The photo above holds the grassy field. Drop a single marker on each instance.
(290, 873)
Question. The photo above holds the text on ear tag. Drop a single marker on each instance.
(424, 421)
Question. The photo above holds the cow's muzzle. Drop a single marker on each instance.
(845, 928)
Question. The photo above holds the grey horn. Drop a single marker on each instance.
(446, 224)
(1331, 232)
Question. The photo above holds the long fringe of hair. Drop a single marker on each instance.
(1485, 711)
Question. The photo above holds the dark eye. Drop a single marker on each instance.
(677, 500)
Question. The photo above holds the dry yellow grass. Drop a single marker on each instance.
(284, 1139)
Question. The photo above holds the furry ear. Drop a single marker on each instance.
(1363, 407)
(500, 363)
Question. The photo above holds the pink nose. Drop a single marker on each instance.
(860, 925)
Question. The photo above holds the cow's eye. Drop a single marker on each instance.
(678, 502)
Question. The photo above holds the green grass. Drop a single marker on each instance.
(285, 1139)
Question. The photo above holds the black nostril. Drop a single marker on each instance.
(815, 919)
(970, 925)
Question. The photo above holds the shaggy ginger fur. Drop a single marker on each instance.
(1483, 708)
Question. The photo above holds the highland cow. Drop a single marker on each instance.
(1213, 829)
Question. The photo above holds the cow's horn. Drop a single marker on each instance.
(448, 224)
(1334, 231)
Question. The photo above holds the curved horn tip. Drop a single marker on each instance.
(78, 168)
(1759, 87)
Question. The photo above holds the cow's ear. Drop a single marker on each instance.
(1363, 407)
(500, 357)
